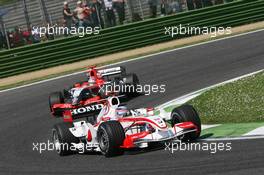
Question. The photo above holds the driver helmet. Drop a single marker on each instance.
(122, 111)
(92, 81)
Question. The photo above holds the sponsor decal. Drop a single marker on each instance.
(86, 109)
(159, 121)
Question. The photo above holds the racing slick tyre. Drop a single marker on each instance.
(56, 98)
(110, 137)
(132, 81)
(123, 70)
(63, 138)
(186, 113)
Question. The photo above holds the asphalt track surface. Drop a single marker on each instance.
(25, 116)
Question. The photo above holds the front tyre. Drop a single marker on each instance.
(187, 113)
(63, 138)
(110, 137)
(56, 98)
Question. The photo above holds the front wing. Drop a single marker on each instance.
(141, 139)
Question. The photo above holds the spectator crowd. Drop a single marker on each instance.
(100, 13)
(89, 13)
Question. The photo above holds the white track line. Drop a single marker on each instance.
(257, 131)
(209, 126)
(234, 138)
(76, 73)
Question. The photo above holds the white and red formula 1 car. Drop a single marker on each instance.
(118, 128)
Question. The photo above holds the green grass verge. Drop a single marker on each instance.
(230, 130)
(237, 102)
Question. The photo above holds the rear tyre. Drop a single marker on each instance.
(110, 137)
(56, 98)
(131, 81)
(186, 113)
(123, 70)
(63, 138)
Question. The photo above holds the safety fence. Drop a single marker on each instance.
(134, 35)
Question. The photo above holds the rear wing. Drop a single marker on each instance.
(112, 71)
